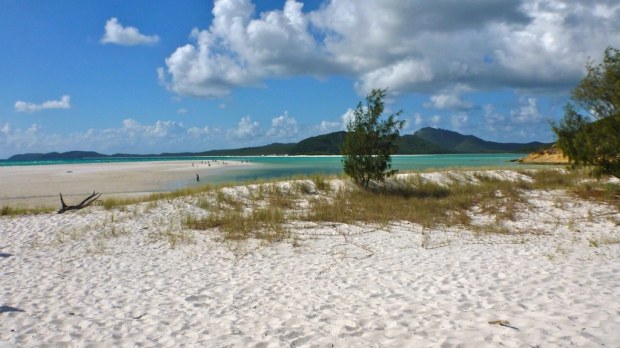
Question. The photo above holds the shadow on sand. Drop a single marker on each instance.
(7, 309)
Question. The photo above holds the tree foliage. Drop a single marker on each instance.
(370, 142)
(589, 133)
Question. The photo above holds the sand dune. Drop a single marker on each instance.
(111, 278)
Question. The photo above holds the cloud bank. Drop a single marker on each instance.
(412, 46)
(164, 135)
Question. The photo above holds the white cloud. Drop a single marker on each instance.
(198, 132)
(397, 76)
(527, 112)
(283, 127)
(182, 111)
(328, 127)
(450, 99)
(13, 140)
(347, 117)
(459, 120)
(245, 129)
(421, 121)
(495, 121)
(6, 129)
(116, 33)
(131, 137)
(63, 103)
(403, 45)
(418, 120)
(240, 51)
(525, 121)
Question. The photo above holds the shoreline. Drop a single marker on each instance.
(38, 186)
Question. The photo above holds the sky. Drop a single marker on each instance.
(146, 77)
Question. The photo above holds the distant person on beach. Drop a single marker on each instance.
(197, 177)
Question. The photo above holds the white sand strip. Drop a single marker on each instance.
(111, 278)
(40, 185)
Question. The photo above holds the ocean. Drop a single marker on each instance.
(269, 167)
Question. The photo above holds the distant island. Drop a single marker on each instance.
(425, 141)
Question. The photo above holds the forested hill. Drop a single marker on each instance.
(56, 156)
(454, 142)
(424, 141)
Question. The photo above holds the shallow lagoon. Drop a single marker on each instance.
(269, 167)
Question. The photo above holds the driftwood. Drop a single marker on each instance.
(504, 323)
(83, 204)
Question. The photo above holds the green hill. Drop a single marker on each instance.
(424, 141)
(326, 144)
(56, 156)
(271, 149)
(412, 145)
(453, 142)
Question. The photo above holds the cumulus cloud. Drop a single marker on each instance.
(450, 99)
(421, 121)
(63, 103)
(495, 121)
(246, 128)
(347, 117)
(407, 46)
(329, 126)
(130, 137)
(527, 112)
(240, 51)
(525, 121)
(149, 134)
(13, 140)
(283, 127)
(459, 120)
(198, 132)
(116, 33)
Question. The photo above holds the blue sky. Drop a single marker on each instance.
(151, 77)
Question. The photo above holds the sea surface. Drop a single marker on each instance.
(269, 167)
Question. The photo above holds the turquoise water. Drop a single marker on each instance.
(267, 167)
(285, 167)
(281, 167)
(276, 167)
(291, 165)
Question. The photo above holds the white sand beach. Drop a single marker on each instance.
(40, 185)
(135, 276)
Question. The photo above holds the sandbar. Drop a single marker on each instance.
(39, 185)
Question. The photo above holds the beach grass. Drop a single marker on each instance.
(7, 210)
(262, 223)
(266, 209)
(408, 198)
(115, 202)
(418, 201)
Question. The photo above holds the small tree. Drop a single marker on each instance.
(589, 133)
(369, 142)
